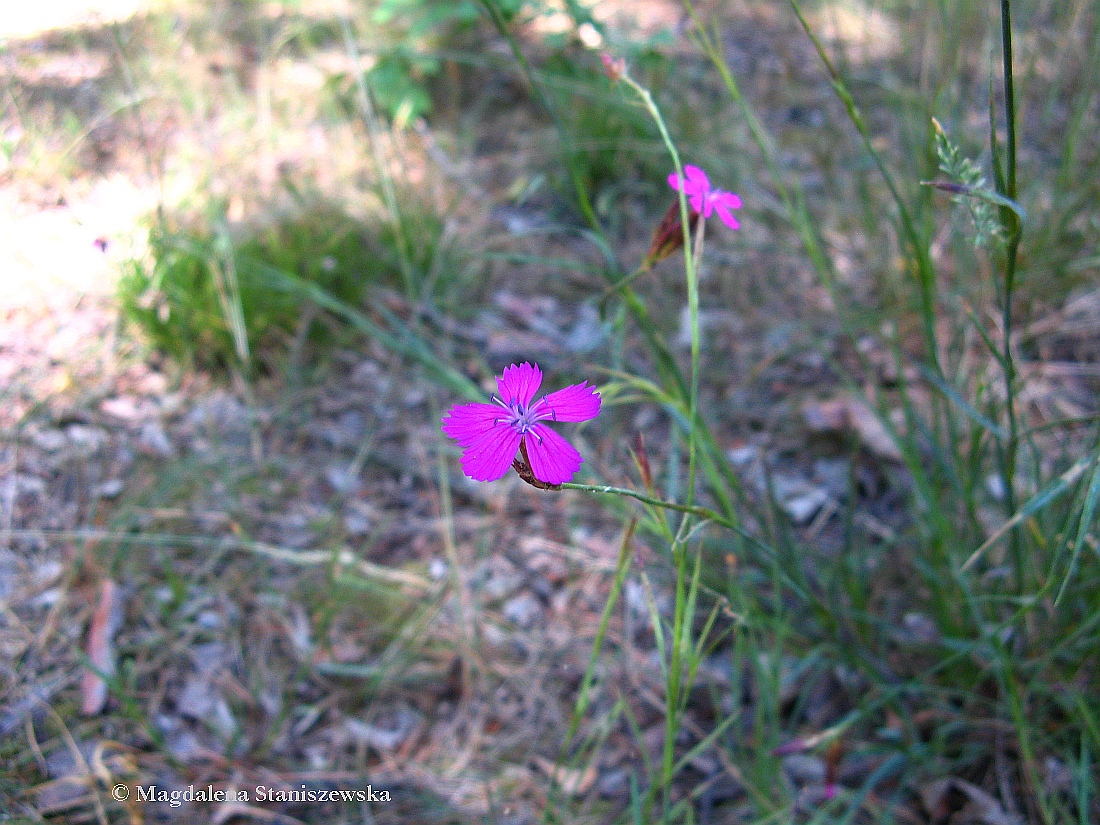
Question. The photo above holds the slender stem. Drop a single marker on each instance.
(385, 179)
(583, 201)
(691, 258)
(696, 255)
(1012, 219)
(1010, 98)
(681, 622)
(626, 281)
(691, 509)
(916, 243)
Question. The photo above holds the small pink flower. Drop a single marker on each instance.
(490, 434)
(703, 199)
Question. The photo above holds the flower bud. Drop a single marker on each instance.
(668, 237)
(613, 67)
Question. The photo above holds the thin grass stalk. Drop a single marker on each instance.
(389, 193)
(463, 610)
(622, 567)
(691, 509)
(925, 271)
(228, 288)
(1086, 523)
(696, 350)
(576, 179)
(1011, 219)
(680, 658)
(793, 201)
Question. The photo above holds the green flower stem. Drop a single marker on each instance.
(626, 281)
(690, 509)
(681, 623)
(692, 275)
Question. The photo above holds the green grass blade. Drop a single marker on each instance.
(1084, 528)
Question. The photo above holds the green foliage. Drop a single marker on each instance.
(201, 276)
(424, 18)
(400, 79)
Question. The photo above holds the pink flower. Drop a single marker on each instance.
(703, 199)
(490, 434)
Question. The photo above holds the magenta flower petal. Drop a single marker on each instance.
(578, 402)
(696, 186)
(697, 179)
(489, 444)
(490, 434)
(726, 216)
(704, 200)
(467, 423)
(519, 384)
(553, 459)
(489, 458)
(729, 200)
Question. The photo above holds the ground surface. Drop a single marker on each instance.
(282, 591)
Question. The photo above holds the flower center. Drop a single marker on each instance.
(521, 418)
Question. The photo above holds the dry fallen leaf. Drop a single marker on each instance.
(100, 650)
(573, 781)
(847, 413)
(955, 800)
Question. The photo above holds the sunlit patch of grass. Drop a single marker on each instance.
(201, 279)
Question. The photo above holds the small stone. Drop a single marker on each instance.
(588, 332)
(345, 432)
(804, 769)
(86, 440)
(341, 479)
(49, 440)
(523, 611)
(125, 407)
(437, 569)
(154, 441)
(834, 474)
(743, 455)
(221, 413)
(111, 488)
(614, 783)
(920, 629)
(197, 699)
(27, 485)
(209, 620)
(497, 579)
(384, 738)
(804, 507)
